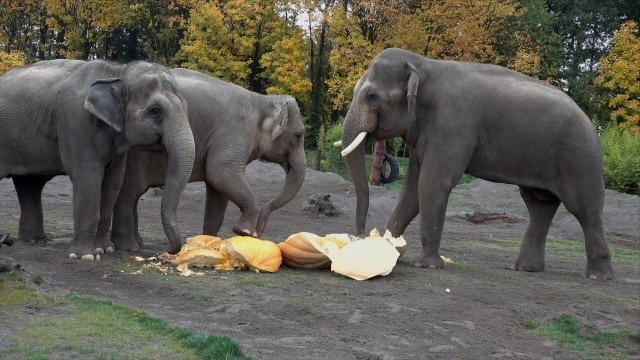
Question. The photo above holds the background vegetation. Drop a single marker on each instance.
(316, 49)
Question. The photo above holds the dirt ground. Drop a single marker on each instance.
(302, 314)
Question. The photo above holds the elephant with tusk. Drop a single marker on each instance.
(486, 121)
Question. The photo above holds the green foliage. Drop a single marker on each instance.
(618, 78)
(11, 60)
(329, 136)
(621, 156)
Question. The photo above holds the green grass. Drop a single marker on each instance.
(592, 343)
(84, 327)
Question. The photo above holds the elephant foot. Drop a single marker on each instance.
(83, 252)
(431, 261)
(599, 270)
(103, 246)
(126, 244)
(244, 231)
(528, 264)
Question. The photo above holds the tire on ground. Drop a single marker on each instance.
(394, 170)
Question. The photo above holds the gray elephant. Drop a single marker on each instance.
(80, 118)
(487, 121)
(232, 127)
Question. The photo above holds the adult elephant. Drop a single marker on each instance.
(483, 120)
(80, 118)
(232, 127)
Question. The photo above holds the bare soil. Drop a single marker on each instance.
(303, 314)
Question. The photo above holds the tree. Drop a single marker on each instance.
(10, 60)
(229, 38)
(286, 68)
(619, 78)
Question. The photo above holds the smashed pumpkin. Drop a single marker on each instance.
(258, 255)
(306, 250)
(363, 259)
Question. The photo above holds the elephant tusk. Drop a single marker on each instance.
(346, 151)
(338, 143)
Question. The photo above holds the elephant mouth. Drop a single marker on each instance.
(354, 144)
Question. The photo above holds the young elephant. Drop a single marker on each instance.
(232, 127)
(487, 121)
(80, 118)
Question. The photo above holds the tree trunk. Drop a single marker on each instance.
(379, 149)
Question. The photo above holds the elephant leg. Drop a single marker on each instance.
(215, 208)
(437, 179)
(233, 184)
(29, 189)
(125, 224)
(111, 185)
(86, 210)
(407, 207)
(585, 201)
(542, 206)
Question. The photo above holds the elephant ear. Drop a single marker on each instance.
(412, 91)
(104, 100)
(278, 121)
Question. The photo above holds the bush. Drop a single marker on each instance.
(621, 156)
(329, 136)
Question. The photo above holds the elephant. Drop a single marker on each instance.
(487, 121)
(232, 127)
(80, 118)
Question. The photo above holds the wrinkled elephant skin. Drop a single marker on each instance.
(80, 118)
(486, 121)
(232, 127)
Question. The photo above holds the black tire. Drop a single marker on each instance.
(394, 170)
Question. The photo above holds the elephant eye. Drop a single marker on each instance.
(373, 99)
(297, 137)
(154, 112)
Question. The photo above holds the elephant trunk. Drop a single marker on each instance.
(179, 144)
(356, 166)
(296, 168)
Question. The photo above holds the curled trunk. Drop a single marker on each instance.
(296, 170)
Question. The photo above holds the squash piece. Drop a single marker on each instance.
(200, 258)
(258, 255)
(398, 242)
(308, 251)
(299, 251)
(364, 259)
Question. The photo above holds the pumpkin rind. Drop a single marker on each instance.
(364, 259)
(298, 251)
(259, 255)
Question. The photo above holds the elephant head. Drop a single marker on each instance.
(144, 107)
(383, 107)
(282, 141)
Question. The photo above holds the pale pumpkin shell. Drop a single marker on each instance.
(258, 255)
(200, 257)
(299, 251)
(364, 259)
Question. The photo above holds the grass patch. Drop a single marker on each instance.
(566, 331)
(83, 327)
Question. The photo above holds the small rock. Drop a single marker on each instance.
(8, 264)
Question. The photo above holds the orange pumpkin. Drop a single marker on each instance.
(258, 255)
